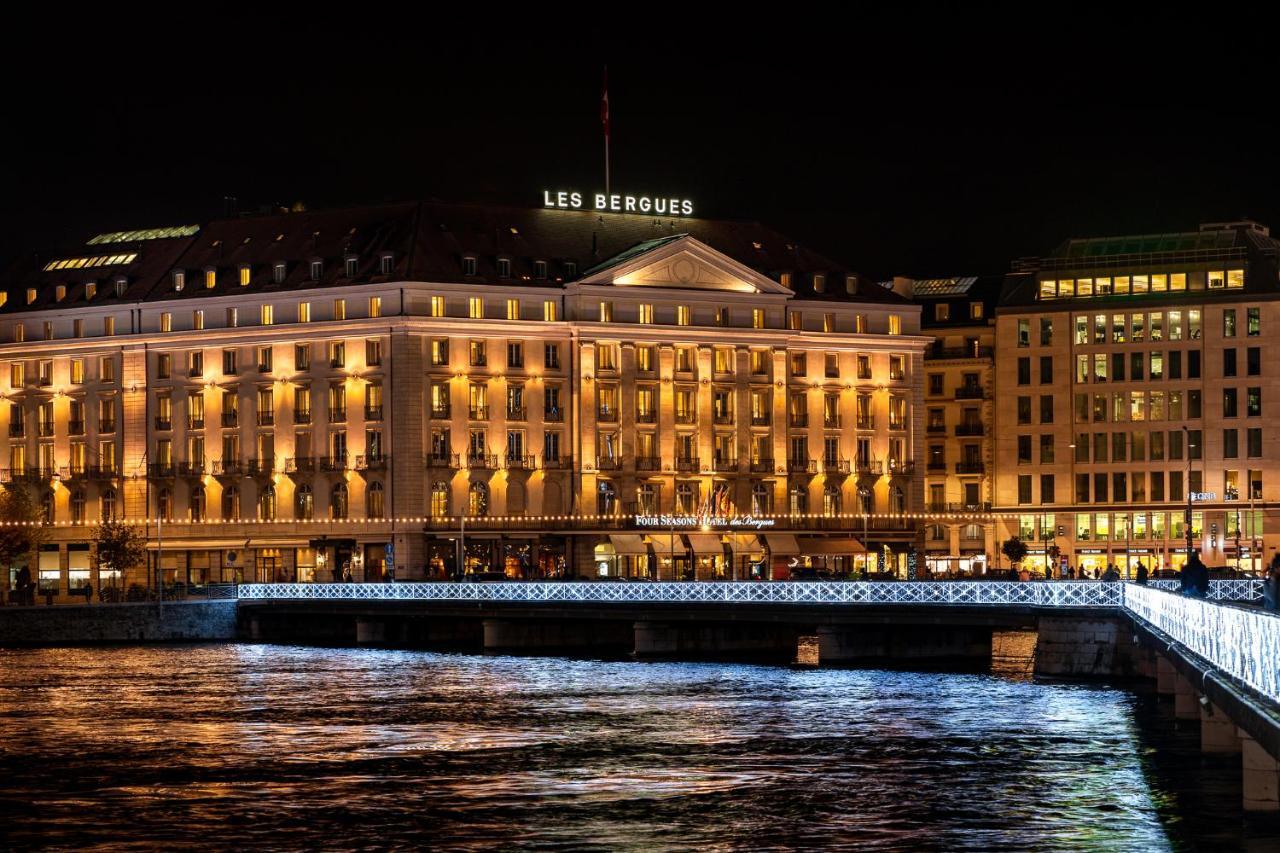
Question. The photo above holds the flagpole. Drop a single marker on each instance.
(604, 120)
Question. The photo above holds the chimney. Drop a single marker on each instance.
(904, 286)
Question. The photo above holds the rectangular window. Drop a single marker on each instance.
(645, 316)
(682, 315)
(757, 318)
(268, 317)
(549, 311)
(375, 306)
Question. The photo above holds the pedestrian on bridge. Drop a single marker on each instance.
(1271, 584)
(1142, 574)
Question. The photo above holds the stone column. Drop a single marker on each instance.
(1261, 776)
(1217, 732)
(1186, 705)
(1166, 676)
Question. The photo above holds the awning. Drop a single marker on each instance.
(706, 544)
(823, 545)
(745, 543)
(628, 543)
(783, 545)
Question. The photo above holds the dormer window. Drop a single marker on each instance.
(351, 264)
(31, 295)
(179, 280)
(504, 267)
(277, 273)
(317, 270)
(90, 290)
(387, 263)
(122, 284)
(210, 278)
(468, 265)
(785, 279)
(851, 284)
(539, 269)
(60, 293)
(245, 274)
(570, 269)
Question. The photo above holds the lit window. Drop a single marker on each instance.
(819, 283)
(795, 321)
(31, 295)
(895, 324)
(339, 309)
(210, 278)
(233, 317)
(606, 312)
(108, 326)
(757, 318)
(304, 312)
(828, 322)
(437, 306)
(646, 314)
(860, 324)
(375, 306)
(941, 312)
(60, 293)
(513, 309)
(179, 280)
(268, 315)
(682, 315)
(785, 279)
(475, 308)
(244, 275)
(166, 322)
(77, 328)
(549, 310)
(90, 291)
(975, 310)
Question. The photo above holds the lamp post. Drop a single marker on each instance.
(1187, 520)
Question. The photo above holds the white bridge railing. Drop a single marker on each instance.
(975, 593)
(1242, 589)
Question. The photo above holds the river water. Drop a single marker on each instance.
(228, 746)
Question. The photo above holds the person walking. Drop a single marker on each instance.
(1142, 574)
(1271, 585)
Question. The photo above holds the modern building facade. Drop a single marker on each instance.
(427, 390)
(1131, 384)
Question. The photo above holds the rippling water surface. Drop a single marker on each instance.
(234, 745)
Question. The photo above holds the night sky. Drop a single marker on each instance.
(894, 151)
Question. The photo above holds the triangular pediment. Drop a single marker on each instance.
(683, 263)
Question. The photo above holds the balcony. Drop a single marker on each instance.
(331, 464)
(835, 466)
(869, 467)
(802, 466)
(798, 419)
(553, 415)
(939, 353)
(936, 429)
(100, 472)
(970, 467)
(373, 413)
(967, 507)
(266, 418)
(32, 474)
(608, 463)
(686, 418)
(44, 429)
(108, 425)
(647, 417)
(832, 422)
(372, 462)
(191, 469)
(726, 463)
(519, 462)
(722, 418)
(161, 470)
(866, 423)
(478, 413)
(608, 416)
(443, 460)
(230, 419)
(17, 429)
(75, 427)
(897, 425)
(762, 465)
(937, 466)
(440, 413)
(302, 416)
(517, 413)
(264, 368)
(161, 424)
(260, 467)
(970, 392)
(337, 363)
(195, 372)
(299, 465)
(970, 429)
(688, 465)
(902, 467)
(761, 420)
(195, 423)
(555, 463)
(337, 416)
(648, 463)
(483, 461)
(228, 468)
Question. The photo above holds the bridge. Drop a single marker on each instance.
(1219, 658)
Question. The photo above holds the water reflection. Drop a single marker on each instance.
(239, 745)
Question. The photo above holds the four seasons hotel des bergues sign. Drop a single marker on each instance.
(616, 203)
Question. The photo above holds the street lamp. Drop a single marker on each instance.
(1186, 524)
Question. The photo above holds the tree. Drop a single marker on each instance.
(120, 548)
(1015, 549)
(21, 530)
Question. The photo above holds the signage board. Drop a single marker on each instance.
(690, 522)
(617, 203)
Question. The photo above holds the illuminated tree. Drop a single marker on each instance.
(20, 529)
(120, 549)
(1015, 549)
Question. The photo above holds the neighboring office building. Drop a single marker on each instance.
(1130, 372)
(959, 409)
(298, 393)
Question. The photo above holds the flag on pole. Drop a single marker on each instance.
(604, 104)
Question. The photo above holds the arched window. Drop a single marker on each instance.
(831, 500)
(304, 502)
(338, 501)
(377, 501)
(971, 531)
(439, 499)
(478, 499)
(46, 508)
(197, 503)
(77, 507)
(866, 500)
(109, 505)
(606, 498)
(684, 498)
(937, 532)
(761, 499)
(799, 500)
(164, 504)
(897, 500)
(267, 503)
(231, 503)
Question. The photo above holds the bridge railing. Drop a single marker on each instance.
(1242, 642)
(968, 593)
(1236, 589)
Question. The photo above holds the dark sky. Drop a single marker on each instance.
(892, 146)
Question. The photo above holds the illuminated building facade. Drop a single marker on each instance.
(428, 390)
(1130, 374)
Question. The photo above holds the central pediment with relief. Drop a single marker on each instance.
(683, 263)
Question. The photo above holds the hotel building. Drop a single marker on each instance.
(1130, 379)
(424, 390)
